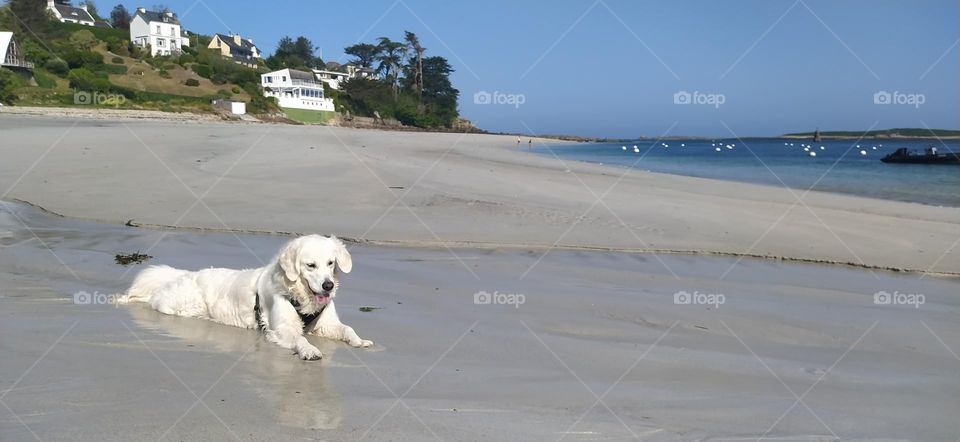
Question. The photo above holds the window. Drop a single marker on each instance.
(171, 32)
(283, 78)
(160, 42)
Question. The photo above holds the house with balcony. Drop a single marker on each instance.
(240, 50)
(295, 89)
(69, 14)
(331, 78)
(10, 54)
(159, 31)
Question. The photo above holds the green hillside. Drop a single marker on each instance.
(885, 133)
(101, 64)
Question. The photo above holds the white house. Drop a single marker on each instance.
(68, 14)
(295, 89)
(160, 31)
(331, 78)
(10, 54)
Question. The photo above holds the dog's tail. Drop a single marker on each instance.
(148, 282)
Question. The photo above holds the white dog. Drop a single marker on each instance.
(288, 297)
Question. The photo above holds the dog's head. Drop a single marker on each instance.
(310, 264)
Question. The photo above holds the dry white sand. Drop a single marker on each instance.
(441, 189)
(598, 350)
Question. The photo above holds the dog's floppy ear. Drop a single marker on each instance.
(289, 259)
(343, 256)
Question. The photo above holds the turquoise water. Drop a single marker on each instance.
(838, 167)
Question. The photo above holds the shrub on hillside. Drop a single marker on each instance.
(43, 80)
(84, 40)
(201, 70)
(164, 73)
(192, 82)
(9, 81)
(78, 59)
(86, 80)
(57, 66)
(186, 58)
(116, 60)
(236, 89)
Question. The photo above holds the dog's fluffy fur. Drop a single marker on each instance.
(301, 278)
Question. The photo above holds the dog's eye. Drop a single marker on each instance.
(311, 266)
(330, 263)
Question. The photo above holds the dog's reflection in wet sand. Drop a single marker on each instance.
(296, 391)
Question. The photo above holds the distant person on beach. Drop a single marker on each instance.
(518, 140)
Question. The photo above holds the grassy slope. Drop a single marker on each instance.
(143, 77)
(309, 116)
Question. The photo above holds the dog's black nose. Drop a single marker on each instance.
(327, 285)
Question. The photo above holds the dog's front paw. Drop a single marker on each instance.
(363, 343)
(310, 353)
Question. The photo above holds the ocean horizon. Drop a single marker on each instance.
(840, 166)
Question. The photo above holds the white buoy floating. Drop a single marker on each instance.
(683, 145)
(636, 150)
(813, 154)
(874, 147)
(823, 148)
(863, 152)
(624, 147)
(717, 149)
(806, 149)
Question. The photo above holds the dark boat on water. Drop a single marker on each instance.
(906, 156)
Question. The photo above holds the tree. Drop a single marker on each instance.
(439, 95)
(120, 17)
(390, 55)
(365, 53)
(30, 14)
(413, 44)
(292, 53)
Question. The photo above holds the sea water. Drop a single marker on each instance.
(842, 166)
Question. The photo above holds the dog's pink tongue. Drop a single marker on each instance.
(321, 299)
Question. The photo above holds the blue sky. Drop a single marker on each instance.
(612, 67)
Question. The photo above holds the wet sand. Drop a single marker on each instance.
(594, 325)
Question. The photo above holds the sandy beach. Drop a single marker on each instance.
(442, 190)
(597, 343)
